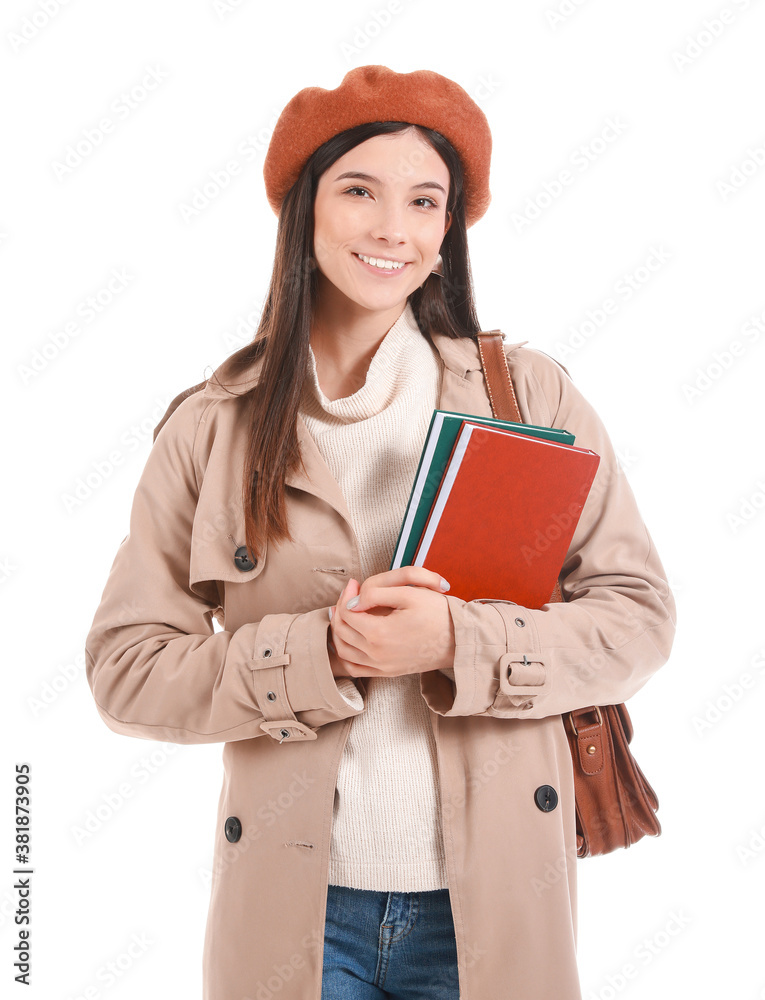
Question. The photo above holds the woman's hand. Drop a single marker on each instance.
(400, 625)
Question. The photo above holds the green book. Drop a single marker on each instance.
(442, 433)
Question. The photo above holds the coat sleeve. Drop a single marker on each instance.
(155, 666)
(617, 623)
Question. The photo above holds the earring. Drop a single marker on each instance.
(439, 267)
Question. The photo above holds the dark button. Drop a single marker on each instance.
(546, 798)
(242, 561)
(233, 829)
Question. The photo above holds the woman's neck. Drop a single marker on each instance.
(344, 341)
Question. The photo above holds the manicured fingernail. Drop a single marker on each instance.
(330, 614)
(444, 584)
(353, 602)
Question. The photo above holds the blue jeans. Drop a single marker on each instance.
(389, 946)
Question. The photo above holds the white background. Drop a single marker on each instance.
(672, 198)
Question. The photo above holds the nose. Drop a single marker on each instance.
(390, 222)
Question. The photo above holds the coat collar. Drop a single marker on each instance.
(462, 391)
(459, 355)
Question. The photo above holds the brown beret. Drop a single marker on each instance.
(376, 93)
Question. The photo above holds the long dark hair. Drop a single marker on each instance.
(282, 339)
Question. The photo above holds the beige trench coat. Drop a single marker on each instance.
(263, 687)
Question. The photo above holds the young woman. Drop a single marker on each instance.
(397, 813)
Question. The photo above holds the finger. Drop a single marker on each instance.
(417, 576)
(345, 594)
(382, 597)
(350, 653)
(343, 629)
(344, 651)
(339, 623)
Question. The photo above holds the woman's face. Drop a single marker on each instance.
(395, 212)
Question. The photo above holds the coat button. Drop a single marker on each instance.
(242, 561)
(546, 798)
(233, 829)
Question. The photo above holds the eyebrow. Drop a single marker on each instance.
(376, 180)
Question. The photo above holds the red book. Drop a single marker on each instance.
(504, 515)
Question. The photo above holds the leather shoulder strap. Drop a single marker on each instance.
(504, 405)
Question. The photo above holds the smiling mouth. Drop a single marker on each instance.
(382, 264)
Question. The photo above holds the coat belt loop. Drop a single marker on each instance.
(267, 666)
(529, 663)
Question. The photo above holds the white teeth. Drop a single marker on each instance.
(380, 262)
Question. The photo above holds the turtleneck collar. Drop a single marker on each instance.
(400, 354)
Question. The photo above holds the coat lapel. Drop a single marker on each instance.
(462, 391)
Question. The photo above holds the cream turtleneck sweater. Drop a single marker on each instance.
(386, 831)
